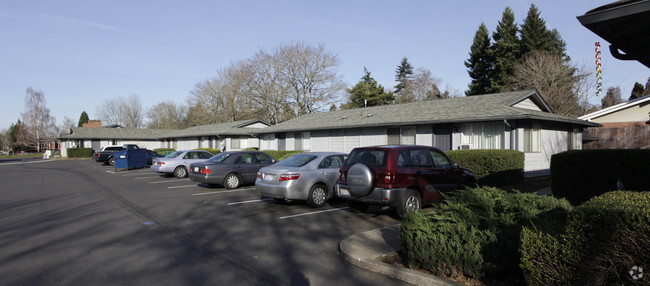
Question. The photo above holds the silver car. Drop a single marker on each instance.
(306, 176)
(178, 163)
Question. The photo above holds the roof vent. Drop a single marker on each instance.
(344, 117)
(369, 114)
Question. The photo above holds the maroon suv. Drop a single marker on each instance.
(403, 177)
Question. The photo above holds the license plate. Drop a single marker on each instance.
(196, 169)
(344, 192)
(268, 178)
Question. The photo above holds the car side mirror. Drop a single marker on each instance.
(454, 165)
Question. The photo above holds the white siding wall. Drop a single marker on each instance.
(337, 139)
(424, 135)
(252, 143)
(552, 142)
(320, 141)
(144, 144)
(187, 144)
(352, 139)
(373, 136)
(290, 141)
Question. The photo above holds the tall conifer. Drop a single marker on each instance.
(505, 50)
(480, 63)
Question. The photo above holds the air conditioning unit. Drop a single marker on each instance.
(466, 146)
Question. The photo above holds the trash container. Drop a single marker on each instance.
(130, 159)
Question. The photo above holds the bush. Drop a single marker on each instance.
(211, 150)
(492, 167)
(475, 232)
(602, 240)
(583, 174)
(164, 151)
(281, 155)
(80, 152)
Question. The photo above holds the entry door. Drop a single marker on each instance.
(442, 137)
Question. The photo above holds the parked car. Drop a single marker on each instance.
(230, 169)
(402, 177)
(178, 163)
(307, 176)
(152, 154)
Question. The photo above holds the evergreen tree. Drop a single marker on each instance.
(403, 75)
(613, 97)
(505, 50)
(367, 92)
(480, 63)
(637, 91)
(535, 36)
(83, 119)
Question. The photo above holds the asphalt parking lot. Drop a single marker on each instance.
(77, 222)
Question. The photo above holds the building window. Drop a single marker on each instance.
(235, 143)
(404, 136)
(486, 135)
(574, 142)
(532, 139)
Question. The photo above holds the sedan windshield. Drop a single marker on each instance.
(174, 155)
(296, 160)
(218, 158)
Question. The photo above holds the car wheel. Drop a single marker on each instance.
(180, 172)
(317, 196)
(111, 161)
(359, 206)
(361, 180)
(232, 181)
(410, 202)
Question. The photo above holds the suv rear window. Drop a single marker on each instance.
(371, 158)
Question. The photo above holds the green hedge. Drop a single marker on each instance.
(492, 167)
(474, 232)
(582, 174)
(281, 155)
(80, 152)
(211, 150)
(164, 151)
(602, 242)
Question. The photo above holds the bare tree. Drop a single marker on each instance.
(311, 74)
(234, 90)
(39, 125)
(203, 103)
(268, 90)
(167, 115)
(125, 112)
(552, 77)
(67, 124)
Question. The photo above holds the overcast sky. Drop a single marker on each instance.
(80, 53)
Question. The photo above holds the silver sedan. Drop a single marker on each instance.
(306, 176)
(178, 163)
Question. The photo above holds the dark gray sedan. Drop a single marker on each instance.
(307, 176)
(230, 169)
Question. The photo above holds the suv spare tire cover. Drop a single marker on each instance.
(360, 180)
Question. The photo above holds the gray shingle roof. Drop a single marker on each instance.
(487, 107)
(476, 108)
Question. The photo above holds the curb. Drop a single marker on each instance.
(364, 250)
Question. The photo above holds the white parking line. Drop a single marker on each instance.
(133, 174)
(150, 177)
(185, 186)
(169, 181)
(311, 213)
(222, 192)
(247, 202)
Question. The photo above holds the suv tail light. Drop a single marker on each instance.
(288, 177)
(389, 177)
(342, 175)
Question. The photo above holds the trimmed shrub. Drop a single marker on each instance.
(583, 174)
(281, 155)
(492, 167)
(603, 240)
(164, 151)
(211, 150)
(474, 232)
(80, 152)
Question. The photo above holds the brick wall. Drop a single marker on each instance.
(93, 124)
